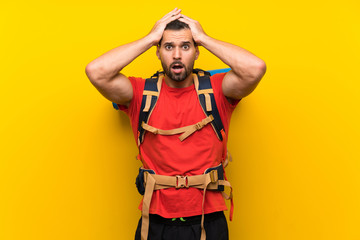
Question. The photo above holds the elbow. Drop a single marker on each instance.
(262, 67)
(252, 72)
(93, 72)
(259, 70)
(89, 68)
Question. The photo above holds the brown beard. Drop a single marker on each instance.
(177, 77)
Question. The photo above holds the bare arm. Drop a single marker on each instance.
(246, 69)
(104, 71)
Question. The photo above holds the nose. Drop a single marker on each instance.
(177, 53)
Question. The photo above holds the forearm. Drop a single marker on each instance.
(245, 66)
(112, 62)
(242, 62)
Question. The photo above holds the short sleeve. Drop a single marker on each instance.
(138, 87)
(216, 82)
(134, 107)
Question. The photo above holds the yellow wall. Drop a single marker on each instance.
(68, 163)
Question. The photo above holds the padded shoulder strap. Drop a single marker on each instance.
(207, 101)
(205, 94)
(150, 96)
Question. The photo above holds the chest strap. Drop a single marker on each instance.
(205, 181)
(186, 131)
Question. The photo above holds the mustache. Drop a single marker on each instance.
(177, 63)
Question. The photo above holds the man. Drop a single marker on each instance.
(178, 213)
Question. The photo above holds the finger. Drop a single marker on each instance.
(182, 19)
(176, 13)
(186, 17)
(171, 18)
(173, 12)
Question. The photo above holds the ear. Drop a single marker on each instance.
(158, 52)
(197, 52)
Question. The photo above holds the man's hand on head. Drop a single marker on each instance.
(158, 29)
(197, 31)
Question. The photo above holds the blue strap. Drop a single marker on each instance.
(150, 85)
(205, 83)
(115, 106)
(212, 72)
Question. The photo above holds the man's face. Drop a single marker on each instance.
(177, 54)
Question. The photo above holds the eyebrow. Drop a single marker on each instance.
(186, 42)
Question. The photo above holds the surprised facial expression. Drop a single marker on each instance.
(177, 54)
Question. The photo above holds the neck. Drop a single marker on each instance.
(175, 84)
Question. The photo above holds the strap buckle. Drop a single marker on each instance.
(181, 182)
(213, 176)
(199, 125)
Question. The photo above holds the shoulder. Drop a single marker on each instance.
(137, 81)
(216, 82)
(137, 84)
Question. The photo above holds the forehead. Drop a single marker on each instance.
(177, 36)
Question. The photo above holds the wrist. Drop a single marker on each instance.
(150, 40)
(201, 41)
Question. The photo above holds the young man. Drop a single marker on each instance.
(178, 213)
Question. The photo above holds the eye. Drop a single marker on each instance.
(168, 47)
(186, 47)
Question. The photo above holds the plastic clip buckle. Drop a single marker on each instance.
(182, 181)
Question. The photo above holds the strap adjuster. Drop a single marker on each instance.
(199, 125)
(213, 176)
(181, 182)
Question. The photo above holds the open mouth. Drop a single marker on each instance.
(177, 67)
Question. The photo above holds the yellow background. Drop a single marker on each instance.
(68, 165)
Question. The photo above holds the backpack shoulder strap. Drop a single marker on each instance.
(207, 101)
(205, 94)
(150, 96)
